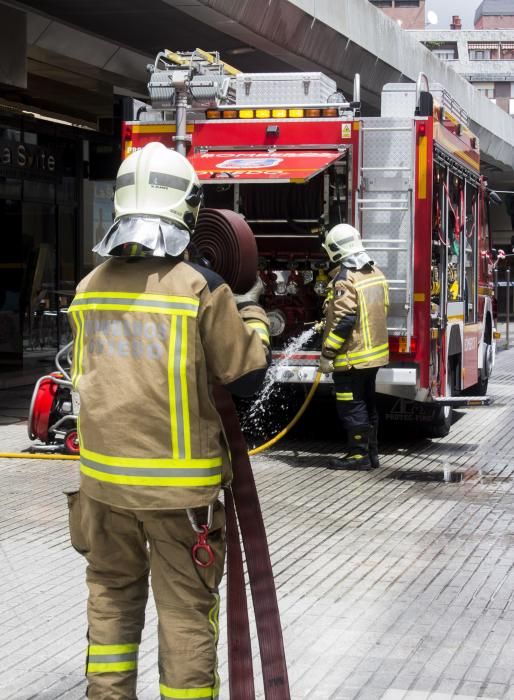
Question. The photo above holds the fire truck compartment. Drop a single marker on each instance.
(281, 166)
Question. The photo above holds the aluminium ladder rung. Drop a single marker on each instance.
(388, 168)
(384, 209)
(368, 200)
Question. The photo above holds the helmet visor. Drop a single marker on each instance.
(158, 236)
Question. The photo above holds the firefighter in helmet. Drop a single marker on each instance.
(152, 333)
(355, 343)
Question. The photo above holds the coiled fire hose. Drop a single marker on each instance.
(225, 241)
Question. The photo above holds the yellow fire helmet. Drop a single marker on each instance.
(343, 244)
(156, 204)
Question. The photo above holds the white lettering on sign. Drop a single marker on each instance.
(28, 157)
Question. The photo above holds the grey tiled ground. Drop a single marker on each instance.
(391, 589)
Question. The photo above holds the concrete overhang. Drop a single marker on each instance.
(352, 36)
(71, 72)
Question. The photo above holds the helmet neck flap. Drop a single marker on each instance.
(151, 236)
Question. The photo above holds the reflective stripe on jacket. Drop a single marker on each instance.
(356, 319)
(151, 336)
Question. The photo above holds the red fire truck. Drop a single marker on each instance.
(291, 154)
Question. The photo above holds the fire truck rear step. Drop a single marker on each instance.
(463, 401)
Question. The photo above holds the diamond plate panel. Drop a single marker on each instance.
(386, 207)
(283, 89)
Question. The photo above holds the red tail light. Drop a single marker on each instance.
(398, 343)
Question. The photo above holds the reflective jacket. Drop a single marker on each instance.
(150, 338)
(356, 319)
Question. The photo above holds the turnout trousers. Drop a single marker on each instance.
(122, 547)
(355, 397)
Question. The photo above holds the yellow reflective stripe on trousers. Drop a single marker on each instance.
(111, 658)
(132, 471)
(214, 621)
(344, 396)
(188, 693)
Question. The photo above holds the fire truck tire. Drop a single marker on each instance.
(443, 416)
(441, 423)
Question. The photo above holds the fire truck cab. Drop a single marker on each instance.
(293, 155)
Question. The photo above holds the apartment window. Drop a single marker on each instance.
(382, 3)
(480, 54)
(485, 89)
(445, 54)
(406, 3)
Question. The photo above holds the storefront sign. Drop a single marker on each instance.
(26, 159)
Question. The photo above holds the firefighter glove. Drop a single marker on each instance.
(252, 296)
(326, 365)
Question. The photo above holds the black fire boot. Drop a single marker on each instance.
(373, 444)
(357, 458)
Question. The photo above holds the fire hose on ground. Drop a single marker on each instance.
(254, 451)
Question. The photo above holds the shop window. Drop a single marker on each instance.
(67, 247)
(38, 191)
(10, 134)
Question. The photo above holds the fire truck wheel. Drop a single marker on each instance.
(71, 443)
(443, 416)
(441, 423)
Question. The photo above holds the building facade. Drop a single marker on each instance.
(54, 180)
(484, 57)
(495, 14)
(410, 14)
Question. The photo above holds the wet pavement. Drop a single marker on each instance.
(393, 585)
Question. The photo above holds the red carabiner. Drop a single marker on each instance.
(203, 545)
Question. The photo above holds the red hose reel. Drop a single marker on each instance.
(51, 417)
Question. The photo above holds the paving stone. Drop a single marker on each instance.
(389, 589)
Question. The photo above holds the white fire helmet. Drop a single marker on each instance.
(156, 204)
(343, 242)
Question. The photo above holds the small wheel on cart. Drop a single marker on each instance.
(71, 442)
